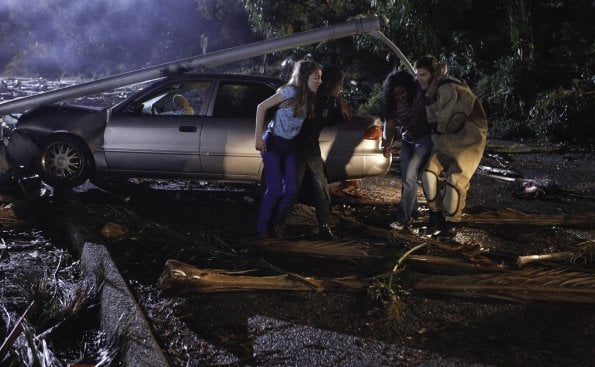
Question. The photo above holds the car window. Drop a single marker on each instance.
(239, 100)
(178, 99)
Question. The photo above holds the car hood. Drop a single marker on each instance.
(60, 107)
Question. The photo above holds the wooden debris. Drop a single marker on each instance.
(524, 260)
(511, 216)
(184, 279)
(534, 188)
(452, 265)
(113, 230)
(554, 285)
(520, 149)
(16, 214)
(584, 251)
(332, 249)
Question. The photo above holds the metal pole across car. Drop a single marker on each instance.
(358, 26)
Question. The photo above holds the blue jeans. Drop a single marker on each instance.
(414, 156)
(281, 182)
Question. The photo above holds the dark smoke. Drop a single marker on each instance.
(97, 37)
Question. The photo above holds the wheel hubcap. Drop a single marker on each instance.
(62, 161)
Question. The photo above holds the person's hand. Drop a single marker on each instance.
(345, 108)
(261, 145)
(387, 151)
(441, 71)
(439, 74)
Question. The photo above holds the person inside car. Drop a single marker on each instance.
(182, 105)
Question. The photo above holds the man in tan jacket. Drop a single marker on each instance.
(459, 131)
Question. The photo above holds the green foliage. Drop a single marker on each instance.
(506, 92)
(373, 103)
(564, 116)
(283, 17)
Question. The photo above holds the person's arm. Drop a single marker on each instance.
(332, 109)
(439, 74)
(388, 135)
(261, 110)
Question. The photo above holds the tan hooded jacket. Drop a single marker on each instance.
(460, 121)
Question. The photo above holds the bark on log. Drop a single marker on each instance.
(184, 279)
(554, 285)
(449, 265)
(511, 216)
(331, 249)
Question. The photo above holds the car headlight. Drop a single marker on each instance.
(7, 125)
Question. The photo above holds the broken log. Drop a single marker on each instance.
(554, 285)
(521, 149)
(511, 216)
(332, 249)
(451, 265)
(584, 251)
(184, 279)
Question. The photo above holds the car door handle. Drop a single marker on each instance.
(188, 129)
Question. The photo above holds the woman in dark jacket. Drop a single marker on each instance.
(330, 108)
(404, 109)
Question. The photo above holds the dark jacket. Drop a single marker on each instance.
(327, 112)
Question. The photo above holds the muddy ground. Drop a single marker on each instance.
(211, 226)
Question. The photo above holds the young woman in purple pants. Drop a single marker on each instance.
(295, 102)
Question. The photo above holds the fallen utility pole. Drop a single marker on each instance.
(370, 25)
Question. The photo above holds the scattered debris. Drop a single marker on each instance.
(15, 332)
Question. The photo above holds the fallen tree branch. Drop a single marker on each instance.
(584, 250)
(332, 249)
(511, 216)
(520, 149)
(184, 279)
(450, 265)
(554, 285)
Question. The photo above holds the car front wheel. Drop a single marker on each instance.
(64, 162)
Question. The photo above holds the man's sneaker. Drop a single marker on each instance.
(398, 226)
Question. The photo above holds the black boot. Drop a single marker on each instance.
(436, 220)
(434, 225)
(325, 233)
(448, 231)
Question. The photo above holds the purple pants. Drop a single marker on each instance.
(279, 161)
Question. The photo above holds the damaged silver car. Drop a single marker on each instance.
(181, 126)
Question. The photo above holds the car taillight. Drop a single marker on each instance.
(373, 133)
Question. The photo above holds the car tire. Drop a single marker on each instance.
(64, 162)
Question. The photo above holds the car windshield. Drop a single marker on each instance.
(186, 98)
